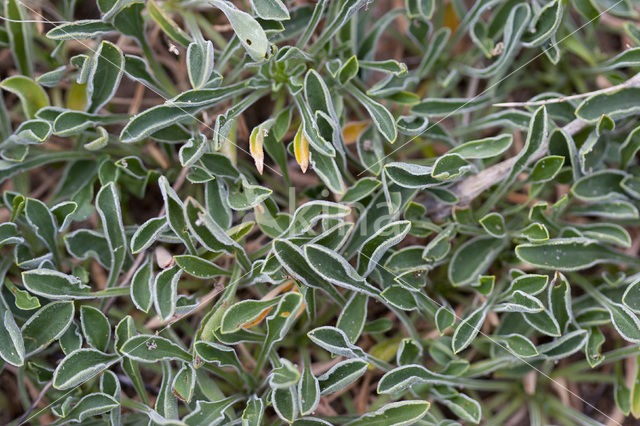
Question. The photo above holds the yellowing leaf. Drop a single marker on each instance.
(450, 18)
(77, 97)
(351, 131)
(256, 147)
(301, 150)
(31, 95)
(288, 286)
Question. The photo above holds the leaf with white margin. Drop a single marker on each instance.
(150, 348)
(335, 268)
(80, 366)
(11, 341)
(394, 414)
(247, 29)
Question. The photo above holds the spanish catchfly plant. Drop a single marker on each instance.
(320, 212)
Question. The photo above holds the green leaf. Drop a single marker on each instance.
(450, 166)
(199, 62)
(514, 28)
(484, 148)
(9, 234)
(12, 348)
(624, 320)
(147, 234)
(361, 189)
(635, 394)
(281, 320)
(216, 353)
(166, 403)
(247, 196)
(439, 107)
(184, 383)
(536, 137)
(80, 29)
(606, 232)
(468, 329)
(520, 345)
(409, 352)
(445, 318)
(55, 285)
(71, 339)
(521, 302)
(284, 376)
(353, 317)
(80, 366)
(254, 412)
(308, 391)
(46, 325)
(23, 300)
(108, 207)
(150, 348)
(270, 9)
(243, 313)
(104, 77)
(593, 347)
(247, 29)
(617, 104)
(465, 407)
(394, 413)
(412, 125)
(174, 210)
(332, 267)
(335, 341)
(376, 245)
(95, 327)
(165, 293)
(472, 258)
(420, 8)
(341, 375)
(567, 254)
(599, 186)
(399, 297)
(199, 267)
(404, 377)
(185, 105)
(293, 259)
(309, 214)
(630, 147)
(209, 413)
(141, 286)
(71, 123)
(21, 45)
(564, 346)
(544, 24)
(493, 223)
(91, 405)
(560, 300)
(167, 24)
(284, 403)
(410, 175)
(544, 322)
(31, 95)
(631, 297)
(348, 70)
(382, 118)
(546, 168)
(528, 283)
(44, 224)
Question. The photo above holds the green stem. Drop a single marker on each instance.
(609, 357)
(158, 71)
(504, 413)
(112, 292)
